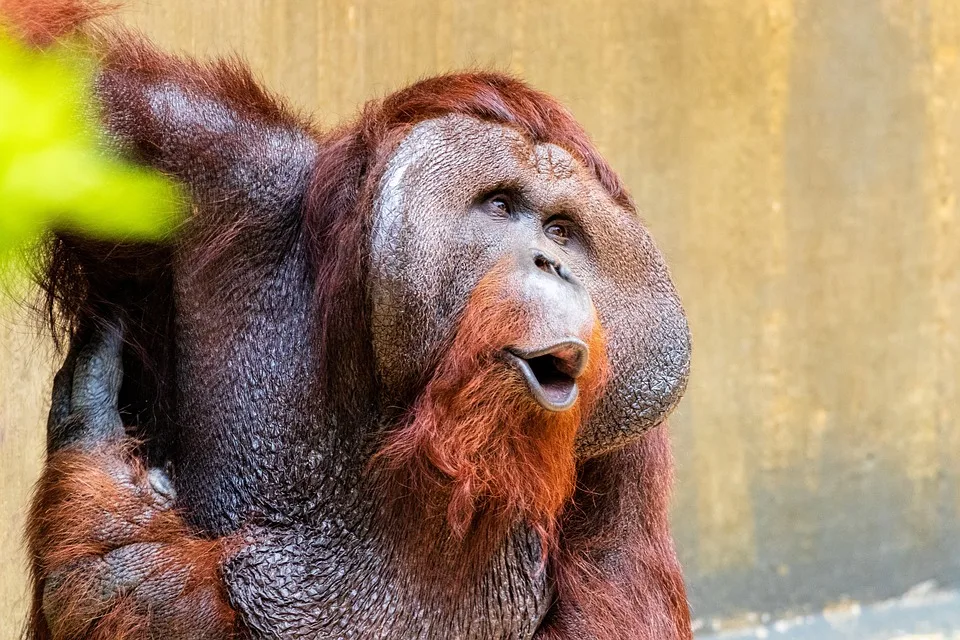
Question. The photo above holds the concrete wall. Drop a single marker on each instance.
(799, 163)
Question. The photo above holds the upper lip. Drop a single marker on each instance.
(551, 372)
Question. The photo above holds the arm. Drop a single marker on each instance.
(210, 125)
(616, 572)
(220, 291)
(110, 557)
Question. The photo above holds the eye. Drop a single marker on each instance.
(558, 231)
(500, 204)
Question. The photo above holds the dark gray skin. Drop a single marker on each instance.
(265, 452)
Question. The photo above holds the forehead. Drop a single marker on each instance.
(475, 155)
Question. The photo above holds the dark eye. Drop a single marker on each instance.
(557, 231)
(501, 204)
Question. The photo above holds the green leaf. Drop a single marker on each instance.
(53, 171)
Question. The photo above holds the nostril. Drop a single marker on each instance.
(550, 265)
(544, 263)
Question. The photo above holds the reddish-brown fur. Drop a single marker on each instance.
(90, 503)
(616, 571)
(40, 23)
(475, 434)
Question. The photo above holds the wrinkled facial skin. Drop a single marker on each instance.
(438, 227)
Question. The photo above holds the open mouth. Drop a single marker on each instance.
(551, 373)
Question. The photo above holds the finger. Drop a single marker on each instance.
(162, 486)
(96, 387)
(60, 401)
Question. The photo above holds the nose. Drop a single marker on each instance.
(551, 265)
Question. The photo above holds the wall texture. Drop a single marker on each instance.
(799, 163)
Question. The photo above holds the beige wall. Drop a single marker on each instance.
(25, 374)
(799, 163)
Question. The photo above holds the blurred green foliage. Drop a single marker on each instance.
(54, 171)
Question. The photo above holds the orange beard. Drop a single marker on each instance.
(477, 442)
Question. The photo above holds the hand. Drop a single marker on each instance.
(111, 556)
